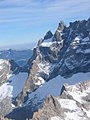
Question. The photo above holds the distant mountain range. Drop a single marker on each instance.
(19, 56)
(23, 46)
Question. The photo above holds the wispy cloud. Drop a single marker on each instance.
(23, 10)
(29, 19)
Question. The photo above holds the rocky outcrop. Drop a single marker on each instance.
(14, 67)
(48, 35)
(74, 103)
(51, 107)
(5, 106)
(58, 34)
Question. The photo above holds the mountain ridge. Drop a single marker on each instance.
(62, 57)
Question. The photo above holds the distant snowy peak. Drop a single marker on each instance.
(73, 104)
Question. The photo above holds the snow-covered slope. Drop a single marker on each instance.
(11, 89)
(5, 91)
(13, 86)
(73, 104)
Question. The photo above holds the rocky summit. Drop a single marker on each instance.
(37, 90)
(66, 53)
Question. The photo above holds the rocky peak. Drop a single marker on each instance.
(57, 36)
(48, 35)
(80, 27)
(66, 54)
(61, 26)
(50, 108)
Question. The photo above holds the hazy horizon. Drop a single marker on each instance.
(21, 46)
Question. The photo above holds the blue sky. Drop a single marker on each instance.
(26, 21)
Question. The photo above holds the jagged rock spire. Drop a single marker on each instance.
(61, 26)
(48, 35)
(57, 35)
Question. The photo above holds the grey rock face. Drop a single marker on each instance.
(57, 36)
(14, 67)
(5, 106)
(50, 108)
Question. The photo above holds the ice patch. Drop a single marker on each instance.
(44, 67)
(68, 104)
(46, 44)
(40, 81)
